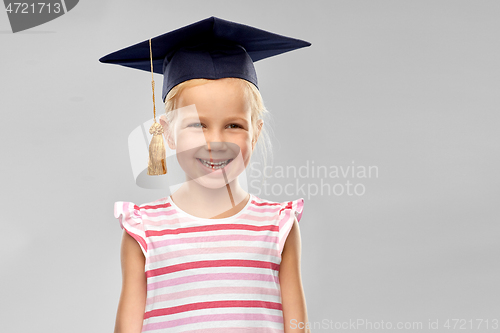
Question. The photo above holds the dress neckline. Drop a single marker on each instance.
(244, 209)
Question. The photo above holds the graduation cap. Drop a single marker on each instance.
(212, 48)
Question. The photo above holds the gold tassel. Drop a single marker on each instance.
(157, 164)
(157, 155)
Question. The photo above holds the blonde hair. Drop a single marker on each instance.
(258, 110)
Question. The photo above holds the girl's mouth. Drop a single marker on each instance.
(215, 165)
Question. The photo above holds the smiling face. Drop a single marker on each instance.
(212, 131)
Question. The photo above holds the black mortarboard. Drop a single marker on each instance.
(212, 48)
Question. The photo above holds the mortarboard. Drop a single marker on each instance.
(212, 48)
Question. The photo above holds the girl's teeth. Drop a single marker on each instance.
(215, 165)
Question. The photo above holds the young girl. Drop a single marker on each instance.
(211, 257)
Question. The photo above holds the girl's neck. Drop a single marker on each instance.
(203, 202)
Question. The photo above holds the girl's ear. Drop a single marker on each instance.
(260, 123)
(167, 131)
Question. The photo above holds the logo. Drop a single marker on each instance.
(28, 14)
(210, 164)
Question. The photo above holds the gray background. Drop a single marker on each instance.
(411, 87)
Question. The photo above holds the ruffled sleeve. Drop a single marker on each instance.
(130, 219)
(289, 211)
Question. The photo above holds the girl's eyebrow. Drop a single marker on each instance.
(204, 118)
(235, 118)
(188, 119)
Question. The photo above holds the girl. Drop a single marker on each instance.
(211, 257)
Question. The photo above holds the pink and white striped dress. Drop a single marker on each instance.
(211, 275)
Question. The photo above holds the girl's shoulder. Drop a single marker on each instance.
(289, 206)
(262, 201)
(286, 213)
(124, 207)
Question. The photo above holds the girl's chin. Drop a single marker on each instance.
(210, 184)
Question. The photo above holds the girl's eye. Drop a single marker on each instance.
(234, 126)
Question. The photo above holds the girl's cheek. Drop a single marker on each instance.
(190, 140)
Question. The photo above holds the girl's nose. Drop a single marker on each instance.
(214, 137)
(217, 146)
(216, 140)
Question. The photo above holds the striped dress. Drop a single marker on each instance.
(211, 275)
